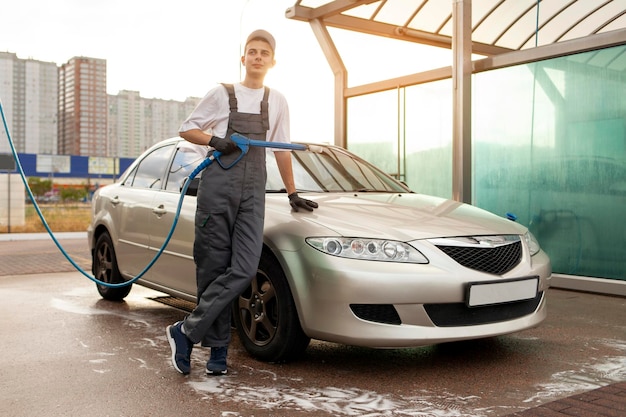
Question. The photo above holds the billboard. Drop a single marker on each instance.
(100, 165)
(54, 164)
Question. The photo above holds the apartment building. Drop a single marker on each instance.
(82, 107)
(136, 123)
(66, 110)
(28, 91)
(164, 117)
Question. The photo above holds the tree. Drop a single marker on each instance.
(38, 186)
(73, 194)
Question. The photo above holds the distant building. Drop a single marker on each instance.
(136, 123)
(82, 107)
(164, 117)
(126, 124)
(28, 90)
(66, 110)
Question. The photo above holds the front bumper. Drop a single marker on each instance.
(380, 304)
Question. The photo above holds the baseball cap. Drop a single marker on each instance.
(262, 34)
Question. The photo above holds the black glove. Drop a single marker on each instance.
(298, 202)
(224, 145)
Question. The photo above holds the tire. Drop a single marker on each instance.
(104, 267)
(266, 317)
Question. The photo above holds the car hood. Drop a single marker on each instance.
(403, 217)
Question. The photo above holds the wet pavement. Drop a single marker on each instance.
(67, 352)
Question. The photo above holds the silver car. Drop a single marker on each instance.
(376, 265)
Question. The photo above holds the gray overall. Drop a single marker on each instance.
(228, 229)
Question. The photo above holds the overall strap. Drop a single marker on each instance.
(265, 113)
(232, 100)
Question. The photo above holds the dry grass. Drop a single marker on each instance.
(70, 217)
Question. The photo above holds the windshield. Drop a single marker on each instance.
(331, 170)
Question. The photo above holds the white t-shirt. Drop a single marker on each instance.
(211, 114)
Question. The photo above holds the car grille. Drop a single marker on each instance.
(458, 314)
(494, 260)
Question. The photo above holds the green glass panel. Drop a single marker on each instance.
(374, 134)
(428, 129)
(414, 143)
(549, 144)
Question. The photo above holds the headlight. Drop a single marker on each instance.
(532, 243)
(368, 249)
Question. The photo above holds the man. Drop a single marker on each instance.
(231, 202)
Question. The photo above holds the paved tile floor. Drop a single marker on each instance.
(39, 256)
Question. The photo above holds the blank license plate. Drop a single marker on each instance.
(496, 292)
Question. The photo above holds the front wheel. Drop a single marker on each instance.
(105, 269)
(266, 317)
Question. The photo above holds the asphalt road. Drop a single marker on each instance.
(67, 352)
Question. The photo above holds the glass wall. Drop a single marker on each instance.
(408, 133)
(549, 145)
(373, 130)
(429, 138)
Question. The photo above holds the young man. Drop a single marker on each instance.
(231, 203)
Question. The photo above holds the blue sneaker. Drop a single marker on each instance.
(217, 361)
(181, 347)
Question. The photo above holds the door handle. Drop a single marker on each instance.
(160, 210)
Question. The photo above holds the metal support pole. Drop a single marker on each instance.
(341, 80)
(462, 99)
(9, 202)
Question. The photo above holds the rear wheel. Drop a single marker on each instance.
(266, 317)
(105, 269)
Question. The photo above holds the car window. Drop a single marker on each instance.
(150, 172)
(365, 176)
(331, 171)
(186, 159)
(334, 170)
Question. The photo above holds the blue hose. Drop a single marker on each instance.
(242, 142)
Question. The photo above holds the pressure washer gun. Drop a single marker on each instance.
(244, 144)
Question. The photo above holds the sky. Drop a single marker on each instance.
(177, 49)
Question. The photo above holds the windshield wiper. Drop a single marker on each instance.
(372, 190)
